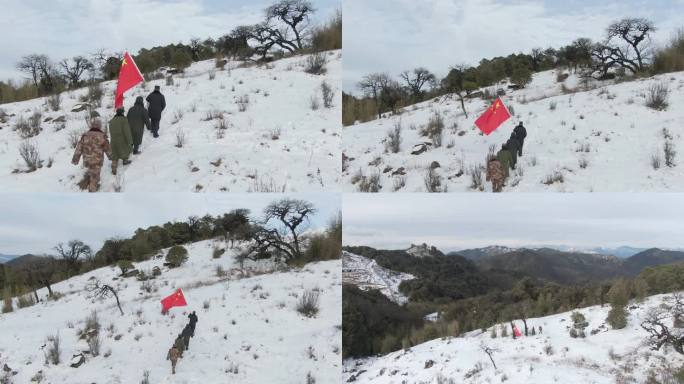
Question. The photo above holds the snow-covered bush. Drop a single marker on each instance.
(327, 93)
(315, 64)
(433, 181)
(433, 129)
(370, 183)
(393, 143)
(55, 101)
(657, 95)
(308, 304)
(31, 155)
(53, 353)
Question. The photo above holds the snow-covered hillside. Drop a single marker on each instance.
(367, 274)
(278, 143)
(249, 330)
(609, 356)
(602, 139)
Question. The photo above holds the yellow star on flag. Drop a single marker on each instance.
(123, 62)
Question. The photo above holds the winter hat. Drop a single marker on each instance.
(96, 124)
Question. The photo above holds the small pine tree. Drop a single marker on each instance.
(176, 256)
(617, 317)
(533, 332)
(493, 332)
(504, 330)
(618, 296)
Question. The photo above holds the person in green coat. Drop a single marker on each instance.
(506, 159)
(138, 120)
(120, 139)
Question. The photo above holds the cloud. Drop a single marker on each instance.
(460, 221)
(35, 223)
(65, 28)
(391, 36)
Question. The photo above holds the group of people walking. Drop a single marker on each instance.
(125, 137)
(182, 342)
(506, 159)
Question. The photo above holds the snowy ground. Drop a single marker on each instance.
(609, 356)
(366, 274)
(250, 332)
(279, 143)
(608, 128)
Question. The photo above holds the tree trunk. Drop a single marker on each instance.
(49, 288)
(460, 97)
(118, 303)
(525, 323)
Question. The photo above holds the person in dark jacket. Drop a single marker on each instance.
(186, 336)
(513, 146)
(138, 119)
(520, 133)
(193, 323)
(156, 104)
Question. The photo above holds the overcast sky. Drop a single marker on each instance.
(35, 223)
(460, 221)
(395, 35)
(65, 28)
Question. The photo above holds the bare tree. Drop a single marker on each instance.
(30, 65)
(415, 81)
(636, 33)
(627, 46)
(489, 351)
(456, 83)
(371, 85)
(195, 48)
(295, 14)
(390, 95)
(97, 290)
(656, 324)
(40, 69)
(75, 69)
(72, 253)
(279, 233)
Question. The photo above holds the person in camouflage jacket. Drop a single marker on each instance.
(93, 146)
(173, 355)
(495, 174)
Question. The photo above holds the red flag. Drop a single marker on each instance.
(129, 76)
(493, 117)
(177, 299)
(516, 331)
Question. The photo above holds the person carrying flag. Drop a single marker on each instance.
(138, 119)
(121, 139)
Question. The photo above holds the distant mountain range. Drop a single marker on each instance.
(621, 252)
(498, 266)
(17, 261)
(6, 258)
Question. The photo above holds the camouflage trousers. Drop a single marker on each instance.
(173, 366)
(93, 177)
(497, 185)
